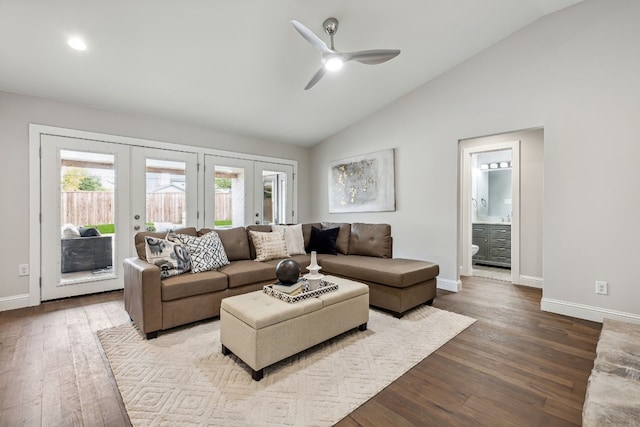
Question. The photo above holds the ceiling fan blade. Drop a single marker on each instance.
(316, 77)
(310, 36)
(372, 57)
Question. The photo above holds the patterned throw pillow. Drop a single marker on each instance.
(293, 238)
(269, 245)
(207, 252)
(172, 257)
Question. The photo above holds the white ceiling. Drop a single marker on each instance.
(239, 66)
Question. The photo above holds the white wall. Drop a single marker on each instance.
(573, 73)
(17, 111)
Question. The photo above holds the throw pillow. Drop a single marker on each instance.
(70, 231)
(342, 241)
(171, 257)
(206, 252)
(293, 238)
(89, 232)
(269, 245)
(324, 241)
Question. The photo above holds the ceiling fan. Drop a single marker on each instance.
(333, 60)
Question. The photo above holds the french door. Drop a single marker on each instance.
(273, 193)
(164, 195)
(241, 192)
(95, 196)
(84, 184)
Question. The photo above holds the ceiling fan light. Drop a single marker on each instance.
(333, 64)
(77, 43)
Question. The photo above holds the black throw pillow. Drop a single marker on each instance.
(88, 232)
(323, 241)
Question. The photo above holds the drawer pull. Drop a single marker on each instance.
(501, 231)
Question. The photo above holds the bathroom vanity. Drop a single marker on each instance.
(494, 241)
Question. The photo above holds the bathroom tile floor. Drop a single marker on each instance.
(495, 273)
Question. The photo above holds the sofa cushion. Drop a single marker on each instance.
(370, 240)
(140, 244)
(293, 238)
(269, 245)
(323, 241)
(260, 311)
(342, 241)
(206, 252)
(234, 240)
(306, 233)
(172, 257)
(187, 285)
(248, 272)
(394, 272)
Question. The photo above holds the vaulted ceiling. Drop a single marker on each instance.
(239, 66)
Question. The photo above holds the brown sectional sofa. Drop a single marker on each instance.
(364, 254)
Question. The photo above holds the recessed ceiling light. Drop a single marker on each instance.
(77, 43)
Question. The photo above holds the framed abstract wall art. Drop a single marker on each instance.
(363, 183)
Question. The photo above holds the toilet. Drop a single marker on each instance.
(474, 249)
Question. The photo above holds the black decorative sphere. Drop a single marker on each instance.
(288, 271)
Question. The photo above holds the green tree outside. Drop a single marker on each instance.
(223, 184)
(77, 179)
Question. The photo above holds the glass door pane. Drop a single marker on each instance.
(227, 188)
(87, 216)
(229, 196)
(166, 185)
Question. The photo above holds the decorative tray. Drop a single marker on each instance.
(325, 287)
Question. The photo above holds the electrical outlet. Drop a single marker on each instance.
(601, 288)
(23, 270)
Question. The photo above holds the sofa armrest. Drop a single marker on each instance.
(142, 295)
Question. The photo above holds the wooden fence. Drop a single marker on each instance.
(97, 207)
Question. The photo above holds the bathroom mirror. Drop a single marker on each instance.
(491, 186)
(499, 185)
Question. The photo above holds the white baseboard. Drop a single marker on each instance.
(532, 281)
(449, 285)
(14, 302)
(587, 312)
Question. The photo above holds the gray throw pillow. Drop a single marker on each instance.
(171, 256)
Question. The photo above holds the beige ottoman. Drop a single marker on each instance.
(262, 330)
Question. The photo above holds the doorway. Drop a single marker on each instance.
(492, 233)
(491, 213)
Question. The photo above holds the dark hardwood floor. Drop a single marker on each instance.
(515, 366)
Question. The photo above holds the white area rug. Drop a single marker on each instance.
(182, 379)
